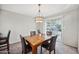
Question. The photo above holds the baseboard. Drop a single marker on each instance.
(15, 42)
(71, 46)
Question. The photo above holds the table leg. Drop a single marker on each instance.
(34, 50)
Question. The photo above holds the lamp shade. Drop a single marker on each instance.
(39, 19)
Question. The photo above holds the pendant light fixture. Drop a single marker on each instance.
(39, 18)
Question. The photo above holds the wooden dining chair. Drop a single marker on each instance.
(4, 42)
(32, 33)
(49, 44)
(26, 48)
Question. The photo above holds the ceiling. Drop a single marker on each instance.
(32, 9)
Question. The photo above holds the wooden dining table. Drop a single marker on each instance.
(34, 41)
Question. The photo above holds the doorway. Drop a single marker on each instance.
(54, 25)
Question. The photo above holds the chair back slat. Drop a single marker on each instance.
(3, 41)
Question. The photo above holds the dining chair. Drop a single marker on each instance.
(4, 42)
(32, 33)
(26, 48)
(49, 44)
(49, 33)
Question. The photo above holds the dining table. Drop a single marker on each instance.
(34, 41)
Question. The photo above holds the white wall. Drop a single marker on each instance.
(17, 23)
(78, 28)
(69, 29)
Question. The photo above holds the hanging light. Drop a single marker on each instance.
(39, 18)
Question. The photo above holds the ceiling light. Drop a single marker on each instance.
(39, 18)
